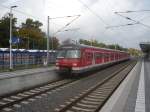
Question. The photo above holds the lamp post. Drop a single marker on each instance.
(47, 41)
(10, 40)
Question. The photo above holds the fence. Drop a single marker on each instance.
(25, 58)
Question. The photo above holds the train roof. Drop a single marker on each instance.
(79, 46)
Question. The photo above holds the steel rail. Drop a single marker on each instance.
(93, 99)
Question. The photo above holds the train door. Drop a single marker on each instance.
(88, 58)
(102, 57)
(93, 58)
(114, 56)
(85, 58)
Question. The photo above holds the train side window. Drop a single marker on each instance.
(95, 55)
(98, 55)
(89, 56)
(105, 55)
(83, 54)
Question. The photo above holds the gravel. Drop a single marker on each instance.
(52, 100)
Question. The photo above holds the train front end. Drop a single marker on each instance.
(68, 60)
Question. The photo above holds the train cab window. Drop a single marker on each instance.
(61, 54)
(73, 54)
(69, 54)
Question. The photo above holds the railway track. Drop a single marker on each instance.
(93, 99)
(8, 102)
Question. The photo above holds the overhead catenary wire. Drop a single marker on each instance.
(130, 11)
(93, 12)
(129, 24)
(128, 18)
(66, 25)
(21, 12)
(96, 15)
(65, 17)
(26, 14)
(74, 29)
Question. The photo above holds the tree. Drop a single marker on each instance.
(55, 43)
(101, 45)
(31, 34)
(5, 30)
(134, 52)
(117, 47)
(32, 24)
(85, 42)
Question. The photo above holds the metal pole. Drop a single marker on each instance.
(28, 49)
(52, 42)
(28, 43)
(115, 46)
(10, 40)
(47, 40)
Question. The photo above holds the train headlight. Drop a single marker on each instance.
(74, 64)
(57, 63)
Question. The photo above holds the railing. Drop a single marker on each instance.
(26, 59)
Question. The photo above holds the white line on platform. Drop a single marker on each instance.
(140, 101)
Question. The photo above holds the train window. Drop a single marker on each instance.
(72, 54)
(89, 56)
(105, 55)
(61, 54)
(68, 54)
(98, 55)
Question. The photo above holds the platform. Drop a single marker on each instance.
(18, 73)
(133, 95)
(23, 79)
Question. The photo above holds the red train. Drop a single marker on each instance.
(77, 58)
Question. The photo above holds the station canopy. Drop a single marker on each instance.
(145, 47)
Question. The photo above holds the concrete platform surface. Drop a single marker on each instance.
(17, 73)
(133, 95)
(25, 79)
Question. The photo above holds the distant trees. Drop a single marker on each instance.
(102, 45)
(30, 34)
(5, 30)
(92, 42)
(131, 51)
(32, 37)
(134, 52)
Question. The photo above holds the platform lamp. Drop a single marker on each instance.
(10, 40)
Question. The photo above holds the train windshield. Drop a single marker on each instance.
(68, 54)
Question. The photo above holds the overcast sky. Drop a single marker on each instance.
(96, 15)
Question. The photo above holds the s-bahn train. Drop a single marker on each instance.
(78, 58)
